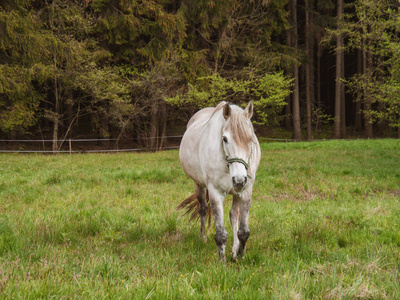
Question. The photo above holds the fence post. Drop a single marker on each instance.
(70, 147)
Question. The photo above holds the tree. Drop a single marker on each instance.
(373, 29)
(22, 70)
(78, 79)
(146, 40)
(339, 74)
(309, 68)
(296, 96)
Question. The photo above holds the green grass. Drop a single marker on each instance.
(325, 224)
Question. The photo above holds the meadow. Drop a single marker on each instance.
(325, 224)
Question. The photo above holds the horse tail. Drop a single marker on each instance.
(192, 206)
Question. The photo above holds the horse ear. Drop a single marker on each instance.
(248, 112)
(227, 111)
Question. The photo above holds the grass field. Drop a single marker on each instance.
(325, 224)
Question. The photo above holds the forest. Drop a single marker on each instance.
(137, 70)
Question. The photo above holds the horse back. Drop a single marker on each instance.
(201, 117)
(190, 149)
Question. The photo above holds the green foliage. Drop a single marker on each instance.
(267, 92)
(22, 51)
(19, 99)
(21, 41)
(99, 5)
(142, 31)
(383, 94)
(271, 94)
(109, 57)
(209, 91)
(49, 51)
(117, 61)
(374, 27)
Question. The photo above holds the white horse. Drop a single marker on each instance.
(221, 153)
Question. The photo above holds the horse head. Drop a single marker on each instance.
(237, 140)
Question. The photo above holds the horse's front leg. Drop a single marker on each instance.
(221, 236)
(244, 232)
(234, 217)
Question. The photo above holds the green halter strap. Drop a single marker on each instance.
(239, 160)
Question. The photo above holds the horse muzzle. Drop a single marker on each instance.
(239, 182)
(238, 169)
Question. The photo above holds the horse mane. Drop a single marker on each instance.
(241, 128)
(238, 124)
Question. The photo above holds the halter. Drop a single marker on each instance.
(239, 160)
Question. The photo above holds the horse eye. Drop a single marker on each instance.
(224, 139)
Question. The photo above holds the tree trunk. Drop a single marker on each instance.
(71, 123)
(312, 59)
(296, 100)
(381, 125)
(358, 122)
(56, 110)
(105, 127)
(70, 119)
(343, 132)
(319, 55)
(367, 64)
(46, 108)
(296, 106)
(339, 66)
(288, 112)
(153, 138)
(308, 72)
(163, 115)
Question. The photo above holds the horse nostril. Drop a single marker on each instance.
(239, 182)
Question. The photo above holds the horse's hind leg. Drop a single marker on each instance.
(201, 194)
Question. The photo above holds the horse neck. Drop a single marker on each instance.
(214, 132)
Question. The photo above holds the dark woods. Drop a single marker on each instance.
(135, 70)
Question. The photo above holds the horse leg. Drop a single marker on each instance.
(201, 194)
(234, 217)
(244, 231)
(221, 236)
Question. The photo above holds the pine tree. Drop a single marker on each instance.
(339, 74)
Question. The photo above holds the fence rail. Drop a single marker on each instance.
(90, 140)
(82, 151)
(70, 141)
